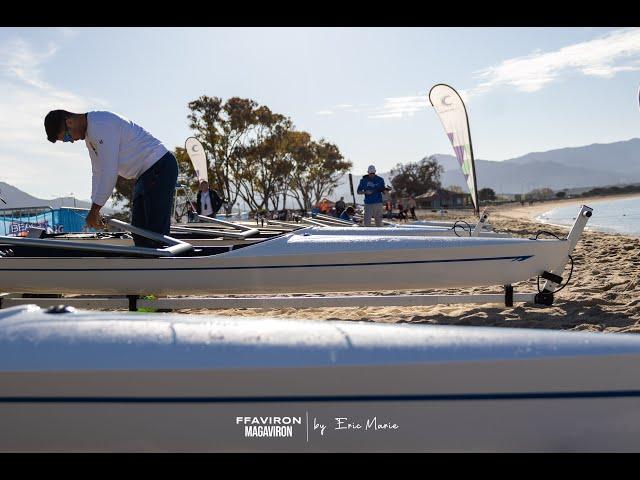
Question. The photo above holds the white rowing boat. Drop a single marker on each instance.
(201, 237)
(289, 263)
(166, 382)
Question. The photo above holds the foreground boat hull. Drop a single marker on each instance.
(136, 382)
(295, 263)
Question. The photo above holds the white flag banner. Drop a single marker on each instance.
(452, 113)
(198, 157)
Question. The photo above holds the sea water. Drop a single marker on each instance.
(613, 216)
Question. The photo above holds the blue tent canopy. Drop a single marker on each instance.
(16, 222)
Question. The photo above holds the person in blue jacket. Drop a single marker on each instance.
(372, 186)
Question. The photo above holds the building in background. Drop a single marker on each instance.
(442, 198)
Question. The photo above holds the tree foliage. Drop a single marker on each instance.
(487, 194)
(540, 194)
(258, 155)
(254, 154)
(318, 169)
(416, 178)
(225, 130)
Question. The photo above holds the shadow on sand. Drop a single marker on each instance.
(586, 315)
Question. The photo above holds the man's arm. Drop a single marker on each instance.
(93, 217)
(104, 166)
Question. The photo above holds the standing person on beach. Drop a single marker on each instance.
(117, 146)
(372, 186)
(209, 201)
(412, 207)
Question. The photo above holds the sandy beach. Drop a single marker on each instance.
(603, 295)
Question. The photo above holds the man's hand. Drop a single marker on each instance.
(94, 220)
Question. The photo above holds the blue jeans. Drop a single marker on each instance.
(153, 196)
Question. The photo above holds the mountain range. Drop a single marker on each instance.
(594, 165)
(16, 198)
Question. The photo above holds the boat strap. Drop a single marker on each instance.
(552, 277)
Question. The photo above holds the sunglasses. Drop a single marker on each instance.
(67, 134)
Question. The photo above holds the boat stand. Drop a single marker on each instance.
(133, 302)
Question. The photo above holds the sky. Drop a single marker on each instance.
(364, 89)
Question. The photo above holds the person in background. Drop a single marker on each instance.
(340, 206)
(402, 215)
(347, 214)
(208, 202)
(324, 206)
(372, 186)
(412, 207)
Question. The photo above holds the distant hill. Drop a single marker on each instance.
(577, 167)
(596, 165)
(16, 198)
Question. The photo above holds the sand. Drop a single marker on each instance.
(603, 295)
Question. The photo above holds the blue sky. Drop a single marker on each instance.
(527, 89)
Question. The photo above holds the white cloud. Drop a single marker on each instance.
(393, 107)
(27, 158)
(344, 108)
(398, 107)
(605, 56)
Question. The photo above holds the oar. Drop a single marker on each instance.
(246, 231)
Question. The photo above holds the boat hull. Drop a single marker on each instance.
(295, 263)
(160, 382)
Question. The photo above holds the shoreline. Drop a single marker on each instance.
(516, 211)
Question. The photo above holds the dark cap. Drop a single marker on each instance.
(54, 123)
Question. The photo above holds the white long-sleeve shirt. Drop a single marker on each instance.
(117, 146)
